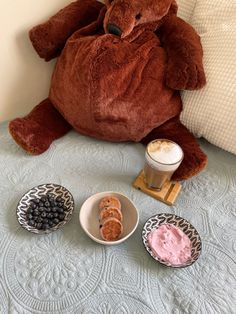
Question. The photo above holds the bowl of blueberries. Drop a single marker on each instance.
(45, 208)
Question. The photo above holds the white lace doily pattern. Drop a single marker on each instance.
(67, 273)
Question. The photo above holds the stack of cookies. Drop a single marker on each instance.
(110, 218)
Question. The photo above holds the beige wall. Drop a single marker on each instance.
(24, 77)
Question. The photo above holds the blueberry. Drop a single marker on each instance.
(38, 219)
(60, 210)
(31, 222)
(33, 206)
(45, 221)
(44, 215)
(50, 223)
(44, 199)
(48, 209)
(42, 209)
(59, 204)
(52, 203)
(30, 216)
(54, 209)
(56, 221)
(55, 215)
(36, 212)
(59, 199)
(50, 215)
(39, 225)
(36, 200)
(41, 204)
(61, 216)
(45, 226)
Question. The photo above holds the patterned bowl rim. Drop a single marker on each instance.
(156, 258)
(65, 221)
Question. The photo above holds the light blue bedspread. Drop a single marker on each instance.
(66, 272)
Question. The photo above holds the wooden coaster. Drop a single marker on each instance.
(168, 193)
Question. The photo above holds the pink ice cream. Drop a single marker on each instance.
(170, 244)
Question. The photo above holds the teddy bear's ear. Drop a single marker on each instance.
(173, 8)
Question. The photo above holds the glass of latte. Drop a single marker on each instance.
(162, 159)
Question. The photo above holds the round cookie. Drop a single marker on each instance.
(111, 229)
(110, 212)
(110, 201)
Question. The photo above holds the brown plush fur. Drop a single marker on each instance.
(39, 129)
(117, 76)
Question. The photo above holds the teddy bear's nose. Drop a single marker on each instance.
(113, 29)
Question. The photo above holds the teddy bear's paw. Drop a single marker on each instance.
(194, 162)
(182, 75)
(30, 135)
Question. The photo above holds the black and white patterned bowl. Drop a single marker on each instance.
(156, 221)
(38, 192)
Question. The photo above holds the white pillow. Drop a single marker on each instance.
(185, 9)
(211, 111)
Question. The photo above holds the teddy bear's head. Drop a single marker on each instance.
(124, 15)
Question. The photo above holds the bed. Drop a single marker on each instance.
(66, 272)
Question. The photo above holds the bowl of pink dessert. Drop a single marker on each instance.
(171, 240)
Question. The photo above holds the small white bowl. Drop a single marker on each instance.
(89, 217)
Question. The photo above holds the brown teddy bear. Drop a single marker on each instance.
(118, 76)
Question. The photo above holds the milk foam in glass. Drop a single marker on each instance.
(163, 157)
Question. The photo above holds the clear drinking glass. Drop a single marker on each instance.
(162, 159)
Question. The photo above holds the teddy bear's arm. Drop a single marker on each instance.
(194, 158)
(184, 52)
(50, 37)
